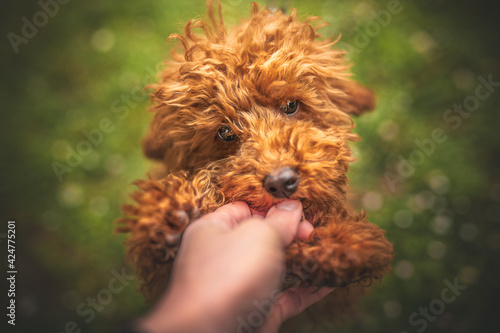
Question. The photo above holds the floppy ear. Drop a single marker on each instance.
(152, 146)
(170, 139)
(359, 98)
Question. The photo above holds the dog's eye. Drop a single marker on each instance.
(290, 107)
(226, 133)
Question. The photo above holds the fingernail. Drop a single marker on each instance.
(288, 205)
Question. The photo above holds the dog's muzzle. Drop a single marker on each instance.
(282, 183)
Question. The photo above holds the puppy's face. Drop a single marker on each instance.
(266, 109)
(281, 156)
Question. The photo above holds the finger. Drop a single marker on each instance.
(285, 218)
(290, 303)
(295, 300)
(304, 230)
(228, 216)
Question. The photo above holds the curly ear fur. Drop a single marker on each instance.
(359, 99)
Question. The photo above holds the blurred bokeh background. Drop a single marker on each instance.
(73, 114)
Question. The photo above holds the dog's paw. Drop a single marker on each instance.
(162, 210)
(338, 255)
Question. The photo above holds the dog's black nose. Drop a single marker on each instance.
(282, 184)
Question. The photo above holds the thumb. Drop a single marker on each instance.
(285, 218)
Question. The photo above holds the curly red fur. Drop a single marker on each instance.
(241, 79)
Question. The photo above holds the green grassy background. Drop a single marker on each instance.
(94, 56)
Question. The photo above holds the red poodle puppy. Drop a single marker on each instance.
(258, 114)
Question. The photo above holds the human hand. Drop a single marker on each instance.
(228, 262)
